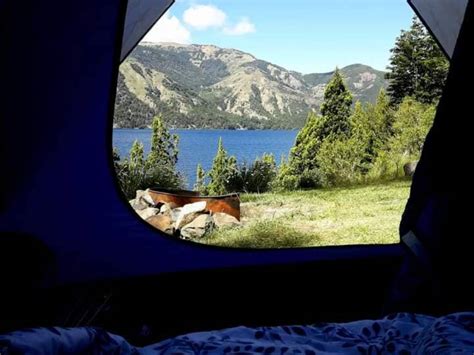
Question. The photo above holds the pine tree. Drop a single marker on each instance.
(200, 184)
(383, 117)
(333, 123)
(164, 146)
(336, 107)
(222, 167)
(136, 161)
(303, 154)
(163, 157)
(379, 122)
(418, 68)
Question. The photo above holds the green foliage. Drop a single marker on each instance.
(336, 107)
(334, 122)
(132, 172)
(200, 184)
(411, 124)
(286, 179)
(223, 166)
(164, 146)
(302, 161)
(341, 161)
(371, 126)
(417, 67)
(157, 169)
(256, 177)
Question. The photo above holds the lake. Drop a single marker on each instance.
(200, 146)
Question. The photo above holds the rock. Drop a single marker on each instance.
(172, 205)
(145, 198)
(224, 220)
(174, 214)
(189, 212)
(166, 208)
(198, 228)
(138, 204)
(163, 222)
(147, 212)
(409, 168)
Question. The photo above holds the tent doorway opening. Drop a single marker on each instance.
(238, 130)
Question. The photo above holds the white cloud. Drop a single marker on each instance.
(168, 29)
(243, 27)
(202, 17)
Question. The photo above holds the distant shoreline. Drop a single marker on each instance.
(213, 129)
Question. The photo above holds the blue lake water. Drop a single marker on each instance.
(200, 146)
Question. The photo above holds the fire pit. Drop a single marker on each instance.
(229, 204)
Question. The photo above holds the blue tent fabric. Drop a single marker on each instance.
(402, 333)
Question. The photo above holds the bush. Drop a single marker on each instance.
(286, 179)
(341, 161)
(254, 178)
(412, 122)
(158, 169)
(387, 166)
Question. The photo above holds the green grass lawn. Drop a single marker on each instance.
(339, 216)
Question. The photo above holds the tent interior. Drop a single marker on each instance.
(74, 254)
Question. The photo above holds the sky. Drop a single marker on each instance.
(308, 36)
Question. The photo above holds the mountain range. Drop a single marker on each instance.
(205, 86)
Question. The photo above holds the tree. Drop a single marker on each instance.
(163, 157)
(157, 169)
(285, 180)
(372, 126)
(132, 171)
(341, 160)
(256, 177)
(412, 122)
(222, 168)
(261, 174)
(200, 184)
(334, 121)
(164, 146)
(336, 107)
(302, 160)
(418, 68)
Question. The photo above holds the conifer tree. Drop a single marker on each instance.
(307, 143)
(223, 166)
(336, 107)
(200, 184)
(418, 68)
(164, 146)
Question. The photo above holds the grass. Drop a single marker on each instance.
(338, 216)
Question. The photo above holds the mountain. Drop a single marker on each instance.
(204, 86)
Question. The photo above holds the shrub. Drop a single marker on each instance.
(157, 169)
(286, 179)
(256, 177)
(341, 161)
(412, 122)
